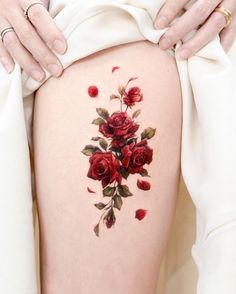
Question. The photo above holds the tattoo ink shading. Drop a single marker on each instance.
(118, 153)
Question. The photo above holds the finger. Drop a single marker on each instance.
(189, 21)
(168, 12)
(205, 34)
(41, 19)
(34, 44)
(228, 35)
(5, 58)
(23, 57)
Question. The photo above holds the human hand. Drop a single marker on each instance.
(202, 14)
(32, 41)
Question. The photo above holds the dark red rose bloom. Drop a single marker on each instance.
(140, 213)
(104, 167)
(93, 91)
(143, 185)
(134, 95)
(109, 219)
(120, 127)
(135, 156)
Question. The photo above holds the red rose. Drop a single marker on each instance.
(109, 219)
(120, 127)
(93, 91)
(140, 213)
(105, 167)
(134, 95)
(135, 156)
(143, 185)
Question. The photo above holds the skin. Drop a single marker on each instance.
(200, 16)
(30, 45)
(125, 258)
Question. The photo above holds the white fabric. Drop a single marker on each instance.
(208, 141)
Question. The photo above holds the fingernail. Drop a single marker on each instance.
(183, 53)
(37, 75)
(55, 69)
(7, 65)
(161, 22)
(59, 46)
(165, 43)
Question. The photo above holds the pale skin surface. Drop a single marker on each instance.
(125, 258)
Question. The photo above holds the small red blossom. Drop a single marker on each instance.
(119, 127)
(132, 96)
(115, 68)
(109, 219)
(90, 190)
(93, 91)
(143, 185)
(140, 214)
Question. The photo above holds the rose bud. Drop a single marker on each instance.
(93, 91)
(134, 95)
(110, 219)
(140, 214)
(143, 185)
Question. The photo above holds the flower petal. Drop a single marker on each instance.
(93, 91)
(90, 191)
(115, 68)
(143, 185)
(140, 213)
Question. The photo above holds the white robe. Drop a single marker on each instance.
(208, 141)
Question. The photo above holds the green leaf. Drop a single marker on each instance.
(109, 191)
(132, 79)
(100, 205)
(144, 173)
(103, 143)
(98, 121)
(124, 172)
(113, 96)
(124, 191)
(95, 138)
(136, 113)
(89, 150)
(102, 112)
(118, 202)
(148, 133)
(121, 89)
(96, 230)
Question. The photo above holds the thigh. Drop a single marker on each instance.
(107, 168)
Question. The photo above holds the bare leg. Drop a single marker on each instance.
(126, 257)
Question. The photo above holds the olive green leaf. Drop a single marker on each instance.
(100, 205)
(118, 201)
(89, 150)
(96, 230)
(124, 172)
(98, 121)
(103, 112)
(144, 173)
(109, 191)
(95, 138)
(121, 89)
(113, 96)
(136, 113)
(148, 133)
(124, 191)
(103, 143)
(132, 79)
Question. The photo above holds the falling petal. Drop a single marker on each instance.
(93, 91)
(90, 191)
(115, 68)
(143, 185)
(140, 213)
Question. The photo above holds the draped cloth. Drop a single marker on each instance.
(208, 151)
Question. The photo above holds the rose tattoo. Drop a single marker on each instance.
(119, 153)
